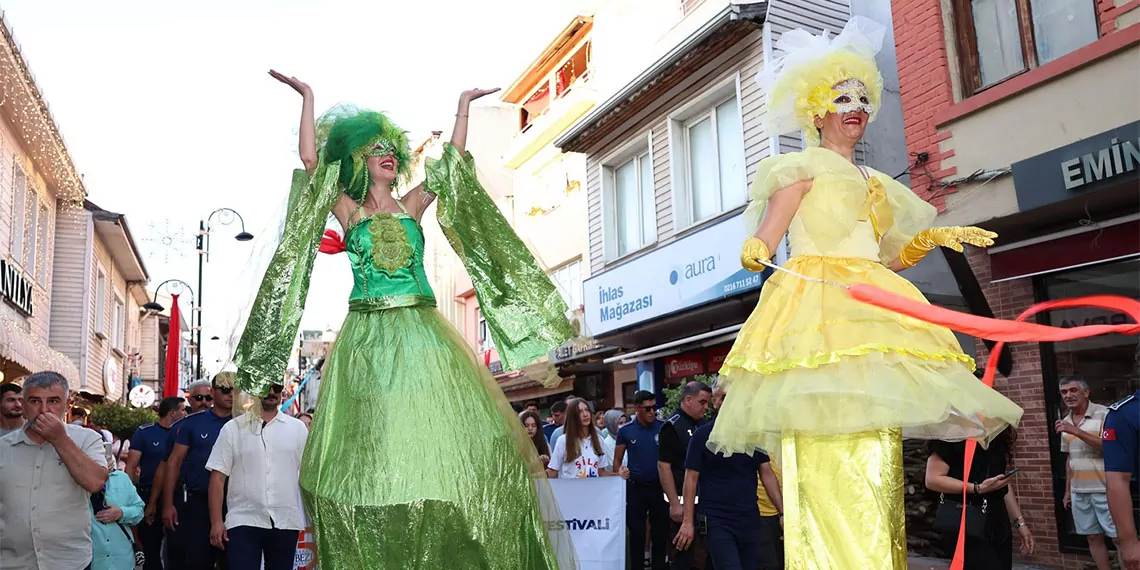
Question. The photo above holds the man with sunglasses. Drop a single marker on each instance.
(262, 521)
(643, 490)
(186, 506)
(148, 450)
(200, 398)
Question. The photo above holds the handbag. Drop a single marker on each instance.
(948, 517)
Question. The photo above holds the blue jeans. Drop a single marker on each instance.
(733, 542)
(248, 544)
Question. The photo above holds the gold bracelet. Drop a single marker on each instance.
(460, 115)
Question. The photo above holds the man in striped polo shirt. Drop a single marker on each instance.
(1080, 433)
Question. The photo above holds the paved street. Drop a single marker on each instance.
(919, 563)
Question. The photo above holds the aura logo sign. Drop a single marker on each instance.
(694, 269)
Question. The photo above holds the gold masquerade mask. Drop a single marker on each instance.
(852, 97)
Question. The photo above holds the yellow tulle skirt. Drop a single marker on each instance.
(811, 360)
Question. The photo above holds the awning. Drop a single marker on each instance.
(719, 336)
(31, 353)
(1111, 240)
(531, 390)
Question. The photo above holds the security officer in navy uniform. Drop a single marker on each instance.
(148, 446)
(673, 443)
(186, 507)
(1121, 439)
(637, 441)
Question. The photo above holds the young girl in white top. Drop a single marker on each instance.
(580, 452)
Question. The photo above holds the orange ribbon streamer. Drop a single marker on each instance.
(1002, 331)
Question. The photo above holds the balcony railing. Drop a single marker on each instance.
(574, 101)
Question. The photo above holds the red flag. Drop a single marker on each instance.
(173, 344)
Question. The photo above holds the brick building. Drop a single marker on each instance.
(1026, 121)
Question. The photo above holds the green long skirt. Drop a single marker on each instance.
(415, 459)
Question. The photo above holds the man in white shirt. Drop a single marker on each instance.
(260, 454)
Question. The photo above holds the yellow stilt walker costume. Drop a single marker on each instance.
(827, 385)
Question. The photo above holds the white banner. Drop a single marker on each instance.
(593, 510)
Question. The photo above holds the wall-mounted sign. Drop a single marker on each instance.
(110, 376)
(1096, 163)
(692, 271)
(141, 396)
(15, 288)
(684, 365)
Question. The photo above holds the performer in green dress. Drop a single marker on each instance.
(415, 459)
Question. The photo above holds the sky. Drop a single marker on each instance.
(169, 113)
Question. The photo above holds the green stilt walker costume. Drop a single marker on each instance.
(415, 459)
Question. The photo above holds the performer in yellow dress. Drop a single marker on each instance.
(828, 385)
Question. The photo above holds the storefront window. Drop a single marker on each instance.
(1110, 363)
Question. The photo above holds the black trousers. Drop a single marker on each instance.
(249, 544)
(643, 504)
(771, 543)
(683, 559)
(151, 535)
(194, 534)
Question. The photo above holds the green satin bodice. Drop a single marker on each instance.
(387, 255)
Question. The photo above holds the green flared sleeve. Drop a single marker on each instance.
(524, 311)
(262, 354)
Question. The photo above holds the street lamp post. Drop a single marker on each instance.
(203, 245)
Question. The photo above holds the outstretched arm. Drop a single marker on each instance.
(418, 199)
(307, 145)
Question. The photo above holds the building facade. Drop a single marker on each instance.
(99, 294)
(1025, 120)
(549, 206)
(39, 188)
(670, 151)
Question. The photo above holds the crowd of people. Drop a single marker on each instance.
(682, 499)
(188, 492)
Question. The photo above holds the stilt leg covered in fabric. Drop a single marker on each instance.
(843, 501)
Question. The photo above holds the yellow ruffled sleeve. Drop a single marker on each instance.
(772, 174)
(910, 215)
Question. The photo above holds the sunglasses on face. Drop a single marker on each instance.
(276, 388)
(224, 389)
(200, 398)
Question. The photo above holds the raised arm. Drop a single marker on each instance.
(459, 131)
(418, 199)
(307, 146)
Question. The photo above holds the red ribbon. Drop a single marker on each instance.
(1003, 332)
(332, 243)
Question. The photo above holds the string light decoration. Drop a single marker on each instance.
(25, 107)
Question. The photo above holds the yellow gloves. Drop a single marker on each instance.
(753, 252)
(952, 237)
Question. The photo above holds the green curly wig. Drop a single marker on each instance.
(346, 133)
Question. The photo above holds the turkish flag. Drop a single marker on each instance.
(173, 346)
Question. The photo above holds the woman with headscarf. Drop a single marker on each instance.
(380, 489)
(828, 384)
